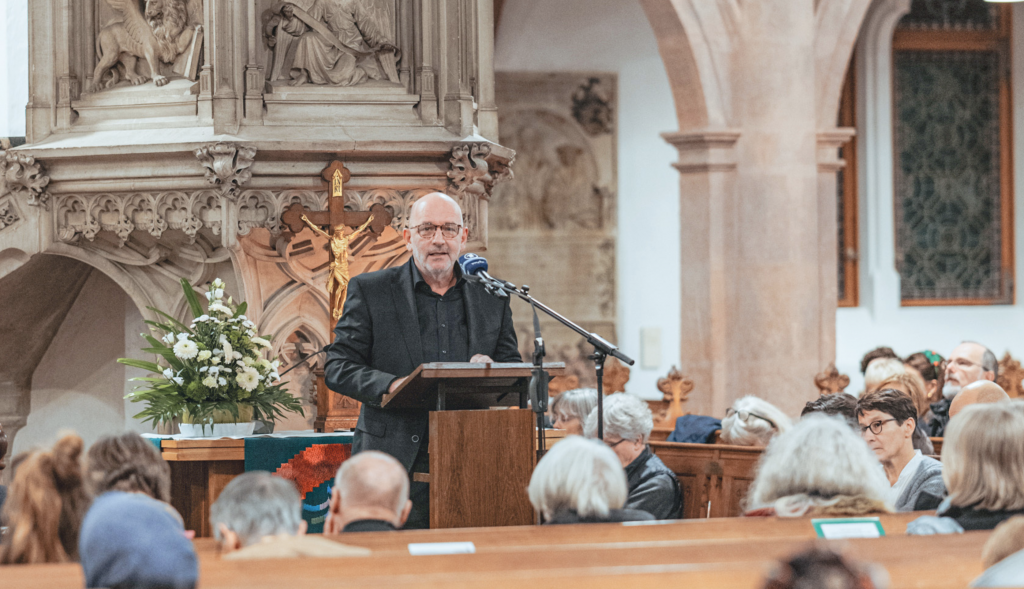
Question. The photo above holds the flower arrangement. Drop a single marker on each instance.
(213, 364)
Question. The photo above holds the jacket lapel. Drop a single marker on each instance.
(474, 318)
(404, 301)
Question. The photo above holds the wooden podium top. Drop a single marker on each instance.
(420, 389)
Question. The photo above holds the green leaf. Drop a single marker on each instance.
(162, 326)
(193, 300)
(150, 366)
(178, 324)
(240, 310)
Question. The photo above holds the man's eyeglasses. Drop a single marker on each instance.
(616, 443)
(745, 415)
(427, 230)
(876, 427)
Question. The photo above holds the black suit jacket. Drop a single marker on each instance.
(377, 340)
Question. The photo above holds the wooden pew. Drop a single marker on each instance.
(684, 531)
(714, 477)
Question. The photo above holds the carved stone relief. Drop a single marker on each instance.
(8, 214)
(166, 38)
(227, 165)
(553, 225)
(332, 42)
(85, 215)
(476, 169)
(25, 179)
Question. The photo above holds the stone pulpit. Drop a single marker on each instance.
(165, 139)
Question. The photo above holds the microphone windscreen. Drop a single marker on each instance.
(473, 264)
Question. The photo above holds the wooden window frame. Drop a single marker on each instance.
(994, 40)
(850, 252)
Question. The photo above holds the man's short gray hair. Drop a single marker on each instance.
(373, 479)
(764, 420)
(989, 362)
(820, 457)
(626, 416)
(257, 504)
(579, 474)
(575, 403)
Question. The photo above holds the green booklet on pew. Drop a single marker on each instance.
(848, 527)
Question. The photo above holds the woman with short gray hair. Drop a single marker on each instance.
(571, 408)
(653, 487)
(581, 481)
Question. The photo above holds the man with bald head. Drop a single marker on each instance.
(371, 494)
(981, 391)
(398, 318)
(969, 362)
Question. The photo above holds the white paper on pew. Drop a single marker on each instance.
(849, 530)
(433, 548)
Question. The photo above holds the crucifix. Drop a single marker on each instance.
(332, 224)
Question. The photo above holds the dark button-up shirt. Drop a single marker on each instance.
(442, 319)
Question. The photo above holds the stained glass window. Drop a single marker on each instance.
(953, 237)
(951, 15)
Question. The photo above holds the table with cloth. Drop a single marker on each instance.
(202, 467)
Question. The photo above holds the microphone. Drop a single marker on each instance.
(476, 267)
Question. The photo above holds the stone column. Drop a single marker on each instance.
(829, 164)
(755, 317)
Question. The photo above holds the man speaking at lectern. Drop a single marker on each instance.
(398, 318)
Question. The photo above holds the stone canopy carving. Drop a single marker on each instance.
(25, 179)
(476, 168)
(163, 34)
(8, 216)
(227, 165)
(332, 42)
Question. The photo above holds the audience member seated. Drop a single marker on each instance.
(581, 481)
(259, 516)
(695, 429)
(752, 421)
(571, 408)
(820, 467)
(983, 468)
(126, 462)
(969, 362)
(881, 370)
(980, 392)
(653, 487)
(880, 352)
(1003, 556)
(371, 494)
(45, 506)
(910, 383)
(3, 464)
(888, 419)
(131, 540)
(930, 367)
(822, 568)
(840, 404)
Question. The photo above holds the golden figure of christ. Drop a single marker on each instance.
(338, 276)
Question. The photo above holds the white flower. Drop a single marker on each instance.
(240, 363)
(248, 361)
(168, 373)
(168, 338)
(210, 382)
(222, 381)
(219, 308)
(201, 318)
(264, 364)
(204, 355)
(259, 341)
(178, 381)
(248, 323)
(273, 376)
(226, 369)
(219, 293)
(228, 352)
(186, 349)
(215, 360)
(275, 364)
(209, 295)
(204, 369)
(248, 379)
(182, 336)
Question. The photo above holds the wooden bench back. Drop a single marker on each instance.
(714, 477)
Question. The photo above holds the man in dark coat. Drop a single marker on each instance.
(398, 318)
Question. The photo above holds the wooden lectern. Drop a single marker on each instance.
(481, 459)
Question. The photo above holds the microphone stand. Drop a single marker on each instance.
(602, 347)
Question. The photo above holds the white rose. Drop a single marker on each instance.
(210, 382)
(215, 360)
(204, 355)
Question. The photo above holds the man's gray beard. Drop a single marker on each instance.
(950, 390)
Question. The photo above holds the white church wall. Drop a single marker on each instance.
(880, 320)
(79, 385)
(615, 36)
(13, 67)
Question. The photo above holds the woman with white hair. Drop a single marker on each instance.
(571, 408)
(819, 467)
(752, 421)
(581, 481)
(653, 487)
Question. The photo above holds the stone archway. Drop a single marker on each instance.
(757, 90)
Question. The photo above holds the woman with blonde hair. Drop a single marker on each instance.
(571, 408)
(45, 506)
(983, 466)
(820, 467)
